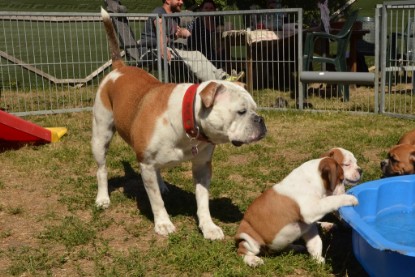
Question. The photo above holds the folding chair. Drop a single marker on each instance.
(341, 41)
(144, 55)
(366, 45)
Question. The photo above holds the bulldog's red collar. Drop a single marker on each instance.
(188, 116)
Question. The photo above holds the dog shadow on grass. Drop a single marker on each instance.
(177, 201)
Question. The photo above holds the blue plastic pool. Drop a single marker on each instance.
(384, 226)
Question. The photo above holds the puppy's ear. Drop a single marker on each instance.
(335, 154)
(331, 173)
(209, 93)
(327, 154)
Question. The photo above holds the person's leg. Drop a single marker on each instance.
(201, 66)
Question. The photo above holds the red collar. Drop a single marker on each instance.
(188, 116)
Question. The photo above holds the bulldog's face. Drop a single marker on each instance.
(400, 161)
(228, 114)
(352, 171)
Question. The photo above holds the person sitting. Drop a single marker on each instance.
(195, 60)
(203, 30)
(270, 21)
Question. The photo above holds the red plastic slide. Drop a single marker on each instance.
(15, 129)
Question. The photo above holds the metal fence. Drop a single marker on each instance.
(397, 52)
(53, 62)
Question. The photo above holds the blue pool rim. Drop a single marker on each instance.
(354, 219)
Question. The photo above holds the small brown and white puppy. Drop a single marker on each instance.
(166, 124)
(401, 157)
(352, 171)
(289, 210)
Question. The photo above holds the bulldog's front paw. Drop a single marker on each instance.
(212, 231)
(164, 227)
(102, 202)
(253, 261)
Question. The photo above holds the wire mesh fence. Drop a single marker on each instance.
(53, 62)
(398, 57)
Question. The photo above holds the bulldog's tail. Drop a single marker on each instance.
(112, 38)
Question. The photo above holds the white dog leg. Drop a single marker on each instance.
(314, 243)
(163, 225)
(327, 205)
(102, 133)
(209, 229)
(202, 172)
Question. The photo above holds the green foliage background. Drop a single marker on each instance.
(148, 5)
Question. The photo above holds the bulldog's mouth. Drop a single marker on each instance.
(237, 143)
(352, 182)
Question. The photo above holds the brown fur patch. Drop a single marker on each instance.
(336, 154)
(408, 138)
(137, 100)
(209, 92)
(401, 160)
(331, 173)
(267, 215)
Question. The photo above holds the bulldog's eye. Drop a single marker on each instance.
(242, 112)
(345, 164)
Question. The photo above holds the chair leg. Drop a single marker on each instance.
(345, 90)
(413, 83)
(341, 66)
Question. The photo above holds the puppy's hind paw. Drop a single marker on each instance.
(253, 261)
(320, 259)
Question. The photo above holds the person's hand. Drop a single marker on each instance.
(182, 33)
(168, 54)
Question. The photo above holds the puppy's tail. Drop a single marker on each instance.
(112, 38)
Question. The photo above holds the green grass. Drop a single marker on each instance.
(51, 227)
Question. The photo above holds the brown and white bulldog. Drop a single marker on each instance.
(289, 210)
(166, 124)
(352, 174)
(401, 157)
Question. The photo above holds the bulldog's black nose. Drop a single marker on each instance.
(259, 119)
(382, 163)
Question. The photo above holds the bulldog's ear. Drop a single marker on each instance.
(209, 93)
(331, 173)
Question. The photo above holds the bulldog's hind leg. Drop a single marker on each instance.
(102, 133)
(151, 176)
(314, 243)
(248, 248)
